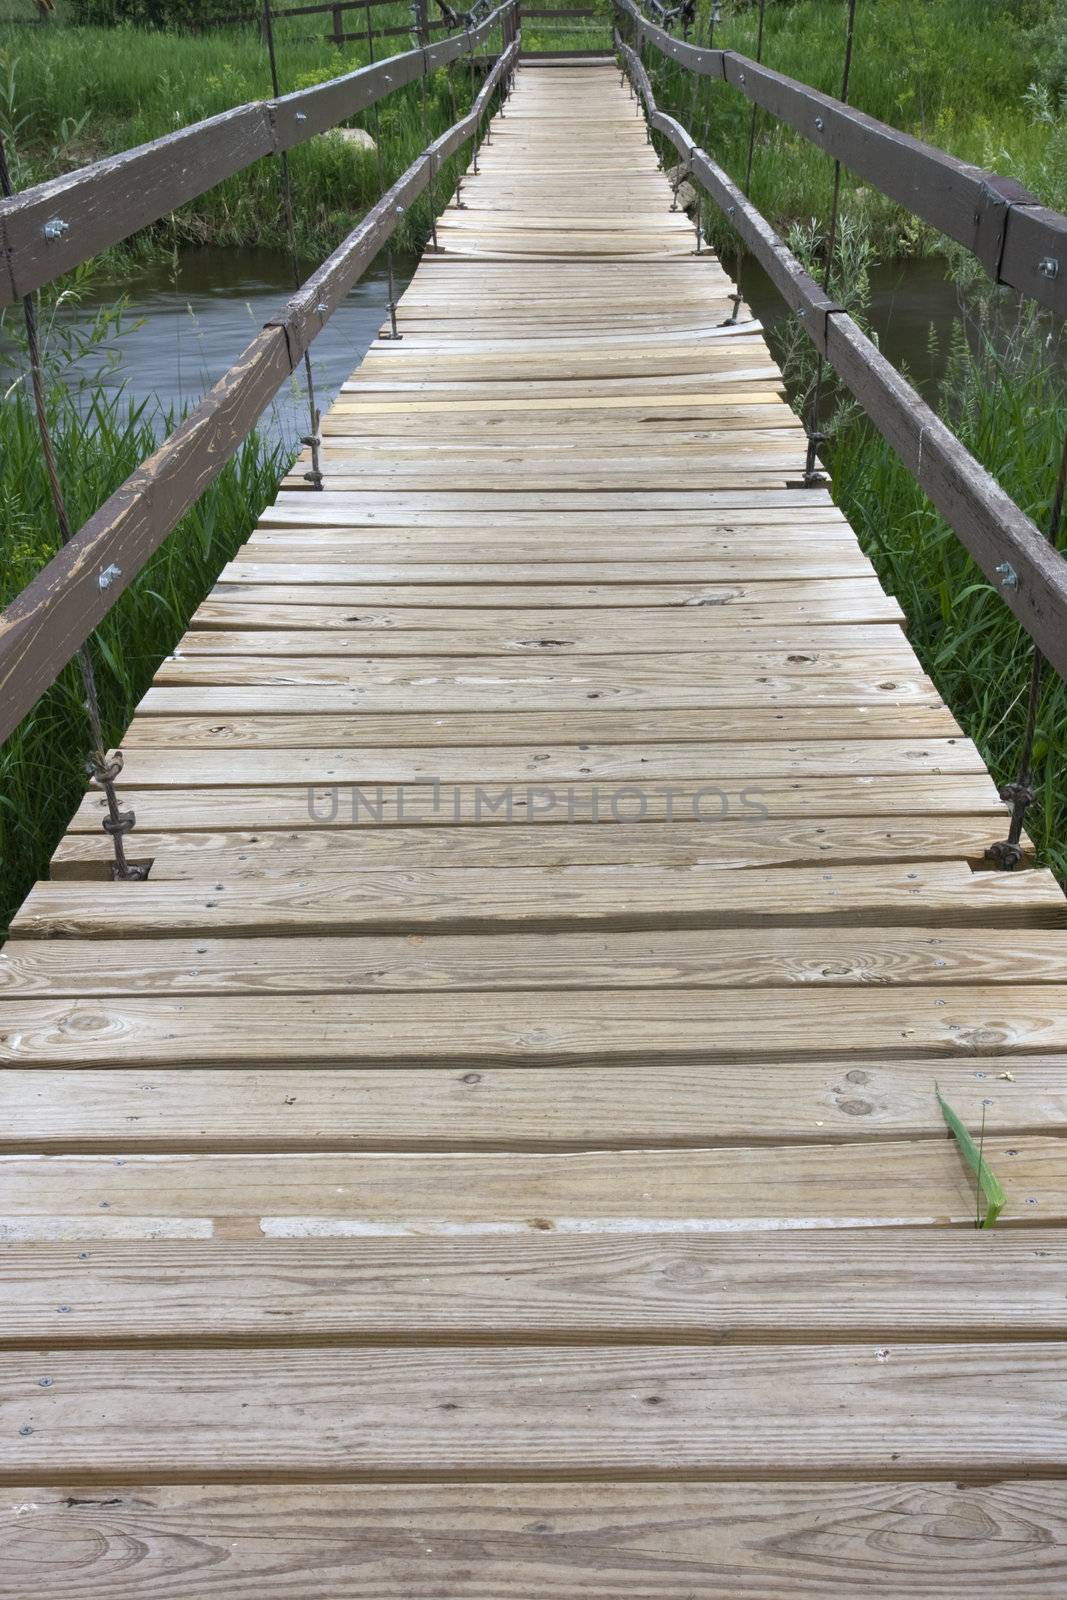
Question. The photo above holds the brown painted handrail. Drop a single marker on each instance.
(44, 625)
(1018, 241)
(49, 229)
(1028, 573)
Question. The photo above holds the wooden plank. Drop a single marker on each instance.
(277, 853)
(953, 1541)
(395, 1413)
(525, 764)
(543, 1028)
(262, 605)
(679, 1107)
(174, 729)
(339, 806)
(808, 675)
(735, 958)
(794, 1288)
(480, 633)
(884, 1184)
(472, 899)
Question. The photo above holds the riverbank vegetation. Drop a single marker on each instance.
(99, 439)
(70, 95)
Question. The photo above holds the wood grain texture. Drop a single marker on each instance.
(732, 958)
(588, 1541)
(678, 1105)
(888, 1184)
(719, 1414)
(803, 1287)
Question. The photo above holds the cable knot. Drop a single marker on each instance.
(1018, 794)
(1004, 854)
(102, 773)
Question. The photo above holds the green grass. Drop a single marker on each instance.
(99, 439)
(1004, 396)
(956, 73)
(70, 95)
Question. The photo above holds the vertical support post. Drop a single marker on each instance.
(812, 476)
(338, 27)
(311, 439)
(751, 154)
(422, 23)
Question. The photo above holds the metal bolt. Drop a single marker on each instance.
(802, 312)
(108, 576)
(819, 123)
(321, 308)
(45, 1383)
(26, 1431)
(1007, 574)
(400, 211)
(740, 77)
(1049, 266)
(56, 228)
(301, 116)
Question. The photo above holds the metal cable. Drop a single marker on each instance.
(748, 164)
(101, 768)
(311, 439)
(380, 159)
(1007, 853)
(812, 476)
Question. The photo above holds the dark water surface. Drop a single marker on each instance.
(909, 301)
(186, 324)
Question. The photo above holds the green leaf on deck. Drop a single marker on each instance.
(988, 1185)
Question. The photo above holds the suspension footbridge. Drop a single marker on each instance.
(493, 1144)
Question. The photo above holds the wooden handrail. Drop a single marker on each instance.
(47, 230)
(44, 625)
(1028, 573)
(1018, 241)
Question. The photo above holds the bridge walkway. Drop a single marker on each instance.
(496, 1151)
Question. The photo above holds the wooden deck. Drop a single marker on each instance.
(519, 1065)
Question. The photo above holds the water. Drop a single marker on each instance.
(186, 324)
(909, 300)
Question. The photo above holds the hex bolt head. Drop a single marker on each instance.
(56, 228)
(819, 123)
(108, 576)
(1007, 574)
(1049, 266)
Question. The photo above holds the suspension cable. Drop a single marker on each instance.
(1007, 853)
(812, 476)
(748, 164)
(312, 439)
(102, 769)
(380, 160)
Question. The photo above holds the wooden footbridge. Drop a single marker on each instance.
(495, 1151)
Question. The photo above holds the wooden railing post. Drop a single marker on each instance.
(422, 22)
(338, 26)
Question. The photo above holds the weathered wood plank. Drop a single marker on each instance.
(277, 853)
(472, 899)
(542, 1028)
(733, 1289)
(734, 958)
(565, 1412)
(780, 1541)
(890, 1184)
(537, 1108)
